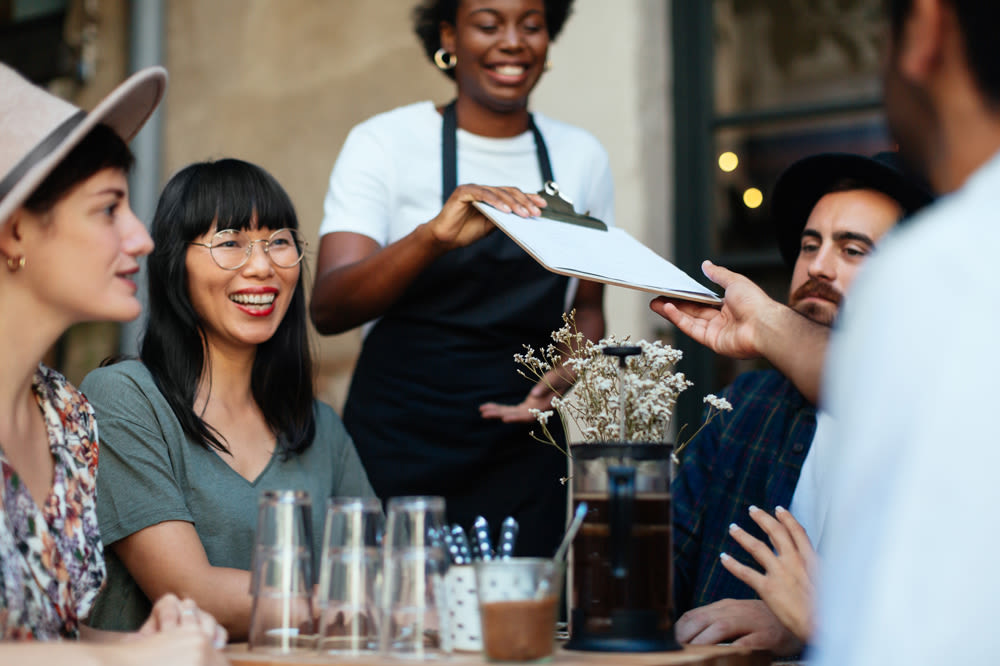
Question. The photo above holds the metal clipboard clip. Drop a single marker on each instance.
(561, 209)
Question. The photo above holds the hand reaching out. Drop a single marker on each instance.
(786, 584)
(729, 330)
(751, 324)
(540, 398)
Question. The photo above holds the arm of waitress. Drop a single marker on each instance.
(357, 280)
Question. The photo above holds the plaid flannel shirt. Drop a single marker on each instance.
(751, 455)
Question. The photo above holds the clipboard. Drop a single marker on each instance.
(568, 243)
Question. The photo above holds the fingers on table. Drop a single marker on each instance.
(189, 615)
(166, 612)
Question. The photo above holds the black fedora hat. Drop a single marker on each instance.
(805, 182)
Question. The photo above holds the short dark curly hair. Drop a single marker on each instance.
(429, 14)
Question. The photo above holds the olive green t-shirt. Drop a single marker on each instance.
(150, 472)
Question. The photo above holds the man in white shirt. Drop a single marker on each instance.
(909, 573)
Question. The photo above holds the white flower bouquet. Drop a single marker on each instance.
(647, 388)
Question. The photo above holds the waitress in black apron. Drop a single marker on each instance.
(436, 406)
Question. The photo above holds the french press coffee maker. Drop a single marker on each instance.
(621, 594)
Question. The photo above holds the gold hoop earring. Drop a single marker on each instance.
(14, 264)
(442, 64)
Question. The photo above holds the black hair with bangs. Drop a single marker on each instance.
(231, 194)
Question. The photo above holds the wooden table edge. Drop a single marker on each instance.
(692, 655)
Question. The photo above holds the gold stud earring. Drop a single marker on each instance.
(548, 65)
(443, 64)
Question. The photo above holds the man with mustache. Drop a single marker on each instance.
(830, 210)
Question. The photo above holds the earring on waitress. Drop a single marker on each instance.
(442, 63)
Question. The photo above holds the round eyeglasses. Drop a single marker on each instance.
(231, 249)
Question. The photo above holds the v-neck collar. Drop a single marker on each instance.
(252, 483)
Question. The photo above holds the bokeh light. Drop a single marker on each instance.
(728, 161)
(752, 197)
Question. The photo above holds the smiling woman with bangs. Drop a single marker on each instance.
(436, 405)
(221, 405)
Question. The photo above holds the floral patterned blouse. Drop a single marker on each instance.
(51, 558)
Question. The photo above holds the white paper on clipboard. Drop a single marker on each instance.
(612, 256)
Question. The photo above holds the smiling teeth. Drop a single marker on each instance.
(510, 70)
(252, 299)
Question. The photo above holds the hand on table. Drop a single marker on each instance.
(786, 584)
(185, 643)
(176, 632)
(460, 223)
(169, 613)
(746, 622)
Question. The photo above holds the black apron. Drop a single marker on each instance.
(443, 349)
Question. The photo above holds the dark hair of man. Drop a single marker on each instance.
(978, 20)
(430, 14)
(100, 149)
(234, 195)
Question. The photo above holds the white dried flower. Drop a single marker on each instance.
(540, 416)
(596, 399)
(721, 404)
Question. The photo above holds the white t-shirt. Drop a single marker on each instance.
(811, 498)
(911, 538)
(387, 178)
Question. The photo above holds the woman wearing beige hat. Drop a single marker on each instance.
(69, 245)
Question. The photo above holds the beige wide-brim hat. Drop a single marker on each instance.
(38, 129)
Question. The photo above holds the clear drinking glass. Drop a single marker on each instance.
(518, 601)
(349, 574)
(284, 520)
(282, 619)
(413, 607)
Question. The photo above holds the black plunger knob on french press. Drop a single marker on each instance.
(621, 478)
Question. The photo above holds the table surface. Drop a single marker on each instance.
(691, 655)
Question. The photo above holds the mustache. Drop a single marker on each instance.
(818, 289)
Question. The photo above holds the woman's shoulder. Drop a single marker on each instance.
(331, 435)
(125, 389)
(557, 131)
(402, 120)
(327, 420)
(132, 372)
